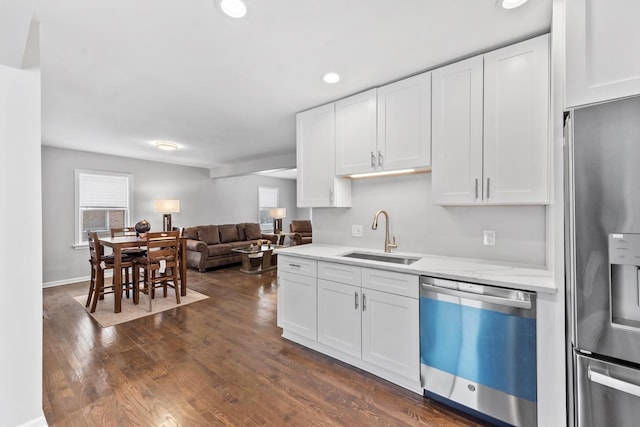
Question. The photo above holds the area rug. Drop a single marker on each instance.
(105, 316)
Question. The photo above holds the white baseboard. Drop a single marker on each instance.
(41, 421)
(72, 280)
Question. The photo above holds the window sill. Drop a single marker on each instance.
(80, 246)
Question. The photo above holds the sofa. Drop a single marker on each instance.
(301, 232)
(211, 245)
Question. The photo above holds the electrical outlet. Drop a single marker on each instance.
(356, 231)
(489, 237)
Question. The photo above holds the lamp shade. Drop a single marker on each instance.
(278, 213)
(166, 206)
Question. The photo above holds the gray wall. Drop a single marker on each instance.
(241, 194)
(202, 201)
(420, 226)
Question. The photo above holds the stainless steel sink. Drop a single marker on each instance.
(382, 257)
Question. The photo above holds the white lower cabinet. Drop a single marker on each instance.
(366, 317)
(297, 297)
(380, 328)
(339, 320)
(390, 332)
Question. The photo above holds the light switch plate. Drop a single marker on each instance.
(356, 231)
(489, 238)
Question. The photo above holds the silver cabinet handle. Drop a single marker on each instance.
(380, 159)
(330, 196)
(613, 383)
(294, 265)
(488, 185)
(476, 188)
(356, 299)
(364, 302)
(373, 160)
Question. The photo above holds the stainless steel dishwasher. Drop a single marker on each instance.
(478, 349)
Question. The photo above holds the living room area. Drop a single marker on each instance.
(203, 201)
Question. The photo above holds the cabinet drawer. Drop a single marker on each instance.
(303, 266)
(341, 273)
(391, 282)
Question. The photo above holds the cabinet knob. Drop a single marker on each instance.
(373, 160)
(380, 159)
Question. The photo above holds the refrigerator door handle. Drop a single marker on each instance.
(613, 383)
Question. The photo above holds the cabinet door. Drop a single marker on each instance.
(404, 124)
(356, 133)
(516, 123)
(339, 320)
(317, 185)
(602, 44)
(457, 132)
(297, 304)
(390, 332)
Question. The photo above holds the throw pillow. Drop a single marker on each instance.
(253, 231)
(229, 233)
(209, 234)
(190, 233)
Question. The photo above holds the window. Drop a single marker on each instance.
(103, 201)
(267, 199)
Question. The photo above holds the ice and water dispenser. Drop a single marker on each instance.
(624, 279)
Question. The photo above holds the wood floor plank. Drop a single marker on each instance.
(220, 361)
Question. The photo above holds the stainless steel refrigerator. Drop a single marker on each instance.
(603, 242)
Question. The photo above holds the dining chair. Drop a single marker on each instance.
(99, 263)
(160, 264)
(130, 252)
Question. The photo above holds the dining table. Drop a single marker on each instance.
(117, 244)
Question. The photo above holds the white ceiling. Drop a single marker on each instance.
(119, 74)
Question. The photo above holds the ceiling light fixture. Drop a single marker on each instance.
(512, 4)
(233, 8)
(166, 145)
(331, 78)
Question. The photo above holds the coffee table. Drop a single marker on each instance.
(257, 259)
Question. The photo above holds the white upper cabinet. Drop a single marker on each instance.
(404, 125)
(516, 123)
(602, 45)
(491, 126)
(387, 128)
(356, 133)
(457, 132)
(317, 184)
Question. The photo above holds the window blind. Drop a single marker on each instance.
(268, 197)
(103, 191)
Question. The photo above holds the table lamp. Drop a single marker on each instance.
(277, 214)
(166, 207)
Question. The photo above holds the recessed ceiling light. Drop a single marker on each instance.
(166, 145)
(512, 4)
(331, 78)
(233, 8)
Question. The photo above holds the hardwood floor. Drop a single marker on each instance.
(220, 361)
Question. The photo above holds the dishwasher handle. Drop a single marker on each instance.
(484, 297)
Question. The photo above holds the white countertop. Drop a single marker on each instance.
(477, 271)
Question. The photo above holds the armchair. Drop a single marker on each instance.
(301, 232)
